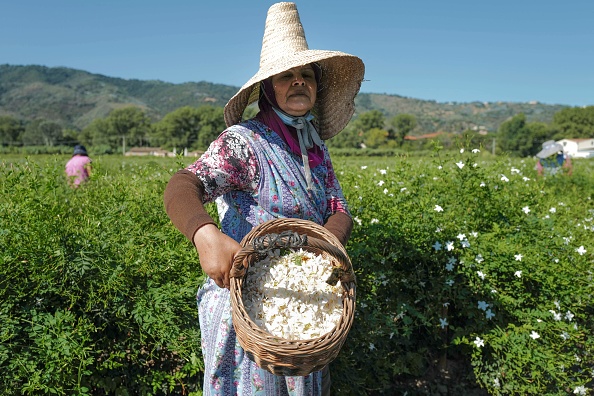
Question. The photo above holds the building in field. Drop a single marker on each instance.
(578, 148)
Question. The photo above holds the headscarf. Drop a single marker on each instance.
(298, 132)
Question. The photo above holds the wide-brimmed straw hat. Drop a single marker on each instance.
(284, 47)
(549, 148)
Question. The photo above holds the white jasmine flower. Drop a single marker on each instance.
(526, 178)
(382, 171)
(385, 190)
(380, 183)
(518, 257)
(565, 335)
(580, 390)
(479, 342)
(437, 246)
(518, 274)
(534, 335)
(481, 274)
(556, 315)
(569, 316)
(461, 150)
(504, 178)
(461, 237)
(474, 234)
(482, 184)
(371, 347)
(479, 258)
(364, 167)
(496, 383)
(358, 220)
(526, 209)
(515, 170)
(482, 305)
(374, 221)
(450, 282)
(449, 267)
(403, 189)
(440, 167)
(553, 210)
(474, 151)
(449, 246)
(438, 208)
(581, 250)
(460, 164)
(489, 314)
(443, 322)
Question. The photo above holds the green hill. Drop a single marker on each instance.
(74, 98)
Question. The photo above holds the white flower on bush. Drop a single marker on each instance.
(556, 315)
(518, 274)
(482, 305)
(479, 258)
(450, 282)
(288, 295)
(515, 170)
(438, 208)
(482, 184)
(534, 335)
(581, 250)
(380, 183)
(518, 257)
(449, 246)
(504, 178)
(382, 171)
(443, 322)
(449, 266)
(461, 237)
(481, 274)
(437, 246)
(489, 314)
(526, 209)
(569, 316)
(479, 342)
(364, 167)
(580, 390)
(526, 178)
(460, 164)
(565, 335)
(474, 151)
(553, 210)
(358, 220)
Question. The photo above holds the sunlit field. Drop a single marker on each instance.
(473, 275)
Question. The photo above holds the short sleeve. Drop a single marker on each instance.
(229, 164)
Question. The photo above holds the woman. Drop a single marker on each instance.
(274, 165)
(78, 168)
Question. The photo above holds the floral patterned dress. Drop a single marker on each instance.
(253, 177)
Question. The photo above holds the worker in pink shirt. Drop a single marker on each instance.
(78, 167)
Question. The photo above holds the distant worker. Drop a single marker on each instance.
(552, 160)
(78, 168)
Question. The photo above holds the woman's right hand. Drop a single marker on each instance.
(216, 252)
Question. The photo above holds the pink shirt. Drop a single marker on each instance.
(77, 169)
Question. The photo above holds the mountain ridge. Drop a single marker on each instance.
(74, 98)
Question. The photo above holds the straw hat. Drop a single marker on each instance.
(284, 47)
(549, 148)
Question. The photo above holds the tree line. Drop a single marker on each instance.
(193, 128)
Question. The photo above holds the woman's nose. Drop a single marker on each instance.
(299, 80)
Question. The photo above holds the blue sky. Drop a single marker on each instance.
(460, 51)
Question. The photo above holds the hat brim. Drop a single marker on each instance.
(549, 150)
(342, 75)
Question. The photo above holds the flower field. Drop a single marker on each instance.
(473, 277)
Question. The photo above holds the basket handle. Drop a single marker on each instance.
(288, 239)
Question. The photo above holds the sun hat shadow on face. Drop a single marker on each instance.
(284, 47)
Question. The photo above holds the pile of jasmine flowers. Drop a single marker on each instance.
(287, 295)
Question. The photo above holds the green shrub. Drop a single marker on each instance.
(472, 273)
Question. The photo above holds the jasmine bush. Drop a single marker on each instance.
(471, 273)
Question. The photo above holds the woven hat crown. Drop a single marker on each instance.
(283, 33)
(284, 47)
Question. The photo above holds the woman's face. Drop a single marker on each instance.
(295, 90)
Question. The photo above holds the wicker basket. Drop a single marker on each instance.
(277, 355)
